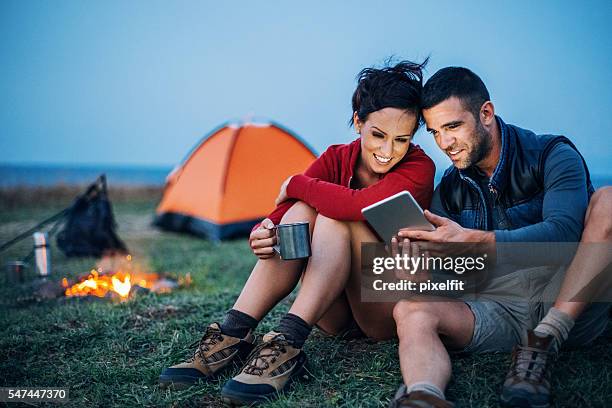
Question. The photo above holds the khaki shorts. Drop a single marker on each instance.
(501, 321)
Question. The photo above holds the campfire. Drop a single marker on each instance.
(119, 277)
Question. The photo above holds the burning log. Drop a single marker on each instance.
(118, 276)
(115, 277)
(99, 285)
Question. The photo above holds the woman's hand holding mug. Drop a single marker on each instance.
(263, 239)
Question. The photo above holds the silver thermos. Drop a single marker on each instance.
(42, 254)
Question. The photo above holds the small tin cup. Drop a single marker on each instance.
(293, 241)
(15, 271)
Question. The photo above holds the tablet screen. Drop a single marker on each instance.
(393, 213)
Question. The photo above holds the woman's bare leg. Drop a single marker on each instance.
(327, 272)
(375, 319)
(330, 295)
(338, 318)
(272, 279)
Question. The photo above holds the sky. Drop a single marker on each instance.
(140, 82)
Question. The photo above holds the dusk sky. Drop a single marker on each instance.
(140, 82)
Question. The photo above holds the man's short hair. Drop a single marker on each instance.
(458, 82)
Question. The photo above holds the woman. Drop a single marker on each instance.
(329, 195)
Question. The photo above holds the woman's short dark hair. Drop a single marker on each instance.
(398, 86)
(458, 82)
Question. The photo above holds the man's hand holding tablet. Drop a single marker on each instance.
(395, 213)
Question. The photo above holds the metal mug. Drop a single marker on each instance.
(15, 271)
(293, 241)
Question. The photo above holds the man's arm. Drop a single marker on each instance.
(564, 206)
(565, 201)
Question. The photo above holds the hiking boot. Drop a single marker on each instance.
(215, 352)
(528, 381)
(270, 369)
(417, 399)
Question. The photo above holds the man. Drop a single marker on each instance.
(506, 185)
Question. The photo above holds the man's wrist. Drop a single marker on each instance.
(483, 237)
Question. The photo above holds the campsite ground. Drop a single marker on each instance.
(111, 353)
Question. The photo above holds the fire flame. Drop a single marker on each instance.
(100, 283)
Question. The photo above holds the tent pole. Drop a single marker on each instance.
(33, 229)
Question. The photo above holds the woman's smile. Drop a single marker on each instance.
(385, 139)
(382, 160)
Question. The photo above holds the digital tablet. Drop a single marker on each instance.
(394, 213)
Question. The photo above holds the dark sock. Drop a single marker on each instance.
(237, 323)
(295, 329)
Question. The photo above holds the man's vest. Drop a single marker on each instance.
(517, 183)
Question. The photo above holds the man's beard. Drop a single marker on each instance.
(481, 147)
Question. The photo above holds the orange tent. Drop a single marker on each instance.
(229, 181)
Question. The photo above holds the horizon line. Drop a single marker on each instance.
(84, 165)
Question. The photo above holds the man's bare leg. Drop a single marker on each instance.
(585, 275)
(524, 384)
(589, 260)
(424, 329)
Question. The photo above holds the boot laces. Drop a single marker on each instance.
(530, 363)
(264, 354)
(211, 337)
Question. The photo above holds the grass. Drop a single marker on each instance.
(110, 354)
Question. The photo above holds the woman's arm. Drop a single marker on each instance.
(342, 203)
(322, 168)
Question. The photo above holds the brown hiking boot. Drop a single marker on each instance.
(270, 369)
(215, 352)
(528, 381)
(417, 399)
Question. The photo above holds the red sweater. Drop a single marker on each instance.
(325, 184)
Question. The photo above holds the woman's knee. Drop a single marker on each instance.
(300, 212)
(340, 229)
